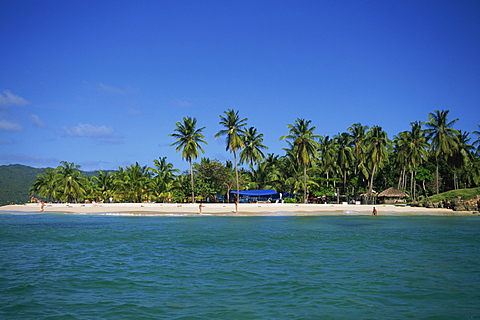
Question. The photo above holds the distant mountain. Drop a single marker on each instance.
(15, 181)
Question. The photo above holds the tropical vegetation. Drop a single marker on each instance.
(429, 158)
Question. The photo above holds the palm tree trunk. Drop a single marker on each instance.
(191, 181)
(304, 183)
(236, 176)
(455, 179)
(412, 186)
(370, 189)
(400, 180)
(436, 176)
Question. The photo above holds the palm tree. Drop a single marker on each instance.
(303, 145)
(417, 151)
(327, 150)
(461, 155)
(376, 147)
(477, 142)
(345, 155)
(400, 145)
(69, 181)
(253, 147)
(103, 184)
(410, 150)
(119, 177)
(293, 174)
(443, 137)
(136, 181)
(162, 182)
(275, 171)
(358, 134)
(234, 133)
(44, 185)
(188, 141)
(265, 176)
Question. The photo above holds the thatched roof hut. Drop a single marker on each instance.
(392, 195)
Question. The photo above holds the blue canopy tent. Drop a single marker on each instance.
(257, 194)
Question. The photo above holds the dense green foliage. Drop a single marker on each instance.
(430, 158)
(16, 180)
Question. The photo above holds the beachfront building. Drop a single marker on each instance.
(392, 195)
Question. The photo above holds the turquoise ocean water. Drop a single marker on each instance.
(56, 266)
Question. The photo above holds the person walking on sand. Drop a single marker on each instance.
(200, 206)
(374, 212)
(42, 205)
(236, 206)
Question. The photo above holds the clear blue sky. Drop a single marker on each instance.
(102, 83)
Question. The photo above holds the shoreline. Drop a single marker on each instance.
(226, 209)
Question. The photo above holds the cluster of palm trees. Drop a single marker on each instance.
(431, 154)
(134, 183)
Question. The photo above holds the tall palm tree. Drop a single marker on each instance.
(234, 133)
(327, 150)
(376, 147)
(189, 140)
(417, 151)
(293, 174)
(410, 150)
(253, 147)
(345, 155)
(400, 152)
(304, 146)
(443, 137)
(358, 133)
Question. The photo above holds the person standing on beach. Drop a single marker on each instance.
(43, 206)
(374, 212)
(200, 207)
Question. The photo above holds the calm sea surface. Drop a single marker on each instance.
(56, 266)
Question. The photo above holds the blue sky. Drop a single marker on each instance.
(102, 83)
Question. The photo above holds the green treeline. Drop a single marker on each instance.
(430, 158)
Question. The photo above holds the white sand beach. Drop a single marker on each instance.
(258, 209)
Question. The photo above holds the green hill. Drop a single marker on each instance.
(451, 195)
(15, 180)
